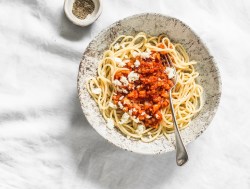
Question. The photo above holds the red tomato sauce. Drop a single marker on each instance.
(145, 97)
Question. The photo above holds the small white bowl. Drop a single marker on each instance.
(68, 5)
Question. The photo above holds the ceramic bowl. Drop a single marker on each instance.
(68, 4)
(178, 32)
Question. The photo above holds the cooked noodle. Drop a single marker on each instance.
(187, 94)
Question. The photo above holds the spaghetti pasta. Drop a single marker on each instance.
(121, 85)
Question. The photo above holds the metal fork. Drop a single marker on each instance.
(181, 153)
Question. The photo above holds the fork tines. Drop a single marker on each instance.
(166, 60)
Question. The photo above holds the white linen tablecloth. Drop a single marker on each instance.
(45, 141)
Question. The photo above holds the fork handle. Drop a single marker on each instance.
(181, 153)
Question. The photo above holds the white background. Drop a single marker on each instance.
(45, 141)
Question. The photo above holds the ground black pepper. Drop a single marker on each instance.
(82, 8)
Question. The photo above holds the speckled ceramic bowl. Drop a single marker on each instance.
(153, 24)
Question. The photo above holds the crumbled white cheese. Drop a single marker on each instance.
(148, 116)
(97, 91)
(120, 62)
(148, 50)
(119, 90)
(140, 129)
(135, 54)
(117, 82)
(124, 118)
(137, 63)
(112, 105)
(117, 46)
(110, 123)
(125, 91)
(134, 110)
(132, 76)
(136, 119)
(157, 116)
(124, 80)
(130, 112)
(126, 61)
(126, 101)
(145, 55)
(130, 87)
(121, 97)
(120, 105)
(143, 113)
(170, 72)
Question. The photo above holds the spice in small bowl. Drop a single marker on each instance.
(82, 8)
(82, 12)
